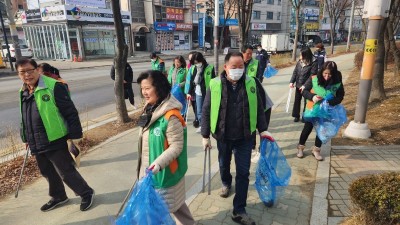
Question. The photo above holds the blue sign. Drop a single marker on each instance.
(228, 22)
(201, 32)
(164, 26)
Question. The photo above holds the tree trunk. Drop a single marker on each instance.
(392, 43)
(387, 49)
(120, 64)
(332, 37)
(296, 35)
(378, 90)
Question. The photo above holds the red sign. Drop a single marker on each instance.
(174, 14)
(184, 26)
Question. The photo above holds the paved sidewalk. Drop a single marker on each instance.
(293, 208)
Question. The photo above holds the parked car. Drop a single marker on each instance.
(25, 51)
(196, 44)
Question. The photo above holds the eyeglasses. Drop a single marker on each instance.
(29, 72)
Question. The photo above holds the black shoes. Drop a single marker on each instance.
(196, 124)
(87, 201)
(53, 203)
(243, 218)
(296, 119)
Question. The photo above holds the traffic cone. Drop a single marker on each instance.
(79, 59)
(74, 59)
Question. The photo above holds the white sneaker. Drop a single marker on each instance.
(198, 130)
(255, 157)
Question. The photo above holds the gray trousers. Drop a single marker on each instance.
(58, 166)
(183, 216)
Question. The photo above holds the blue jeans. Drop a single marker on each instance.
(199, 106)
(242, 151)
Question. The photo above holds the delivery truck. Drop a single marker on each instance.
(276, 43)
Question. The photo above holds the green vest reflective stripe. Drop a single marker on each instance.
(216, 95)
(180, 76)
(208, 75)
(188, 78)
(172, 174)
(53, 122)
(313, 108)
(252, 68)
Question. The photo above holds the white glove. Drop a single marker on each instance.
(155, 168)
(206, 143)
(302, 88)
(267, 135)
(316, 98)
(291, 85)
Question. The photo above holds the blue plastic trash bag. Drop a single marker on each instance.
(145, 206)
(270, 71)
(327, 119)
(272, 174)
(178, 94)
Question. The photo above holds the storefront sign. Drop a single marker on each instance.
(94, 14)
(184, 26)
(311, 14)
(164, 26)
(31, 15)
(229, 22)
(49, 3)
(174, 14)
(258, 26)
(312, 27)
(91, 3)
(53, 13)
(32, 4)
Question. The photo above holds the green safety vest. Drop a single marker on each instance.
(158, 143)
(312, 108)
(155, 64)
(208, 75)
(189, 78)
(216, 95)
(180, 76)
(53, 121)
(252, 68)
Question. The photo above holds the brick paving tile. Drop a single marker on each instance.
(294, 207)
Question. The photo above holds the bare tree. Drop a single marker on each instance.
(229, 9)
(245, 12)
(335, 9)
(393, 23)
(296, 5)
(120, 64)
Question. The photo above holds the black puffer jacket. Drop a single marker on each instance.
(128, 76)
(34, 130)
(201, 81)
(233, 119)
(302, 73)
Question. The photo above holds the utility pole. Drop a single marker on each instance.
(13, 30)
(350, 26)
(375, 10)
(2, 10)
(216, 25)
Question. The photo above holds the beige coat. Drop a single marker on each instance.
(175, 195)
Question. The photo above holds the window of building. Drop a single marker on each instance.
(270, 15)
(257, 1)
(173, 3)
(271, 2)
(279, 16)
(256, 15)
(279, 2)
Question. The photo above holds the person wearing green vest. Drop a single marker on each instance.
(49, 122)
(252, 67)
(190, 95)
(201, 82)
(177, 73)
(163, 143)
(157, 63)
(232, 112)
(327, 81)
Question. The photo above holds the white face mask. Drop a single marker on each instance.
(236, 74)
(199, 65)
(153, 60)
(259, 49)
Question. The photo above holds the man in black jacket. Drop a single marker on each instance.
(263, 60)
(49, 120)
(232, 111)
(128, 79)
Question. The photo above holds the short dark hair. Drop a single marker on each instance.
(199, 58)
(336, 75)
(232, 54)
(153, 55)
(159, 81)
(259, 45)
(181, 60)
(23, 61)
(244, 48)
